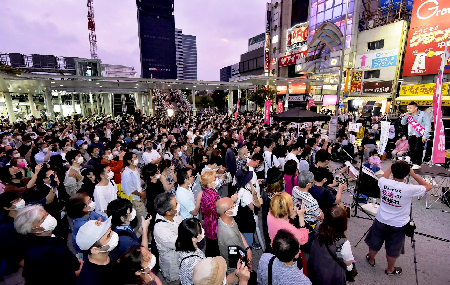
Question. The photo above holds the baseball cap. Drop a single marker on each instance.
(91, 232)
(210, 271)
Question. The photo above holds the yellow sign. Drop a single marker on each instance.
(422, 89)
(421, 100)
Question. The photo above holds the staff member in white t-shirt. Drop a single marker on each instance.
(393, 214)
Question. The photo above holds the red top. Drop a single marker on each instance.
(210, 216)
(116, 167)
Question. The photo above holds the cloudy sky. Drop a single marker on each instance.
(59, 27)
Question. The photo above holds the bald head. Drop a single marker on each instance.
(223, 205)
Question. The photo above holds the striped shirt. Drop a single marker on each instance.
(210, 216)
(312, 207)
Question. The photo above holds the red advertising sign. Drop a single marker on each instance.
(267, 106)
(355, 85)
(291, 59)
(310, 103)
(280, 107)
(427, 37)
(297, 36)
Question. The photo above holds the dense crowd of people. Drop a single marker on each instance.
(115, 200)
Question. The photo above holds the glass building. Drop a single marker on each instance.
(156, 23)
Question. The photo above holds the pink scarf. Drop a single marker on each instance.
(417, 127)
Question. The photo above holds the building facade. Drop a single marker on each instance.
(189, 57)
(179, 53)
(114, 70)
(225, 73)
(156, 24)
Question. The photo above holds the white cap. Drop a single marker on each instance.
(91, 232)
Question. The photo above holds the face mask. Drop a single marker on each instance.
(91, 206)
(110, 157)
(45, 150)
(68, 148)
(96, 139)
(404, 138)
(215, 146)
(21, 165)
(178, 209)
(121, 137)
(150, 266)
(191, 141)
(225, 133)
(113, 242)
(133, 215)
(201, 236)
(185, 148)
(157, 176)
(85, 146)
(49, 224)
(110, 175)
(233, 211)
(135, 162)
(28, 144)
(180, 153)
(17, 155)
(97, 153)
(19, 205)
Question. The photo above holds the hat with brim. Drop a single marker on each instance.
(91, 232)
(243, 177)
(273, 175)
(210, 271)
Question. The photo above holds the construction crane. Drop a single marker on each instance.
(91, 28)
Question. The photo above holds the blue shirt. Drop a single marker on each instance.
(127, 238)
(423, 119)
(187, 202)
(78, 222)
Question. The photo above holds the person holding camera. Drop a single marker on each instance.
(419, 127)
(393, 215)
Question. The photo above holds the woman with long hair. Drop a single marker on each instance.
(190, 233)
(331, 250)
(168, 177)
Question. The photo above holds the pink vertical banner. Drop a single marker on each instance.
(439, 135)
(237, 109)
(280, 107)
(267, 106)
(310, 103)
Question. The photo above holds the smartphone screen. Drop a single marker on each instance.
(299, 203)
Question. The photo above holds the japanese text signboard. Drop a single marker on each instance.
(355, 85)
(429, 33)
(267, 106)
(422, 89)
(291, 59)
(378, 87)
(380, 59)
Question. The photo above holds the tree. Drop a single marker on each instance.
(261, 94)
(218, 97)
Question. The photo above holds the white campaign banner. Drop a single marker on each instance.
(354, 127)
(384, 136)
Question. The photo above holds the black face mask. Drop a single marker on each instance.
(19, 175)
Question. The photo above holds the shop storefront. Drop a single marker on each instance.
(422, 94)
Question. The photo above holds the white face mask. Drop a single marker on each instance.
(178, 209)
(180, 153)
(19, 205)
(80, 160)
(157, 176)
(215, 146)
(139, 146)
(133, 215)
(135, 162)
(17, 155)
(91, 206)
(96, 139)
(110, 175)
(404, 138)
(113, 242)
(185, 148)
(45, 150)
(201, 236)
(85, 146)
(49, 224)
(233, 211)
(110, 156)
(150, 266)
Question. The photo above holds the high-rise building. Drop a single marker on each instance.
(156, 23)
(225, 73)
(179, 53)
(190, 57)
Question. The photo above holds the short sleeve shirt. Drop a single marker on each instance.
(395, 206)
(187, 202)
